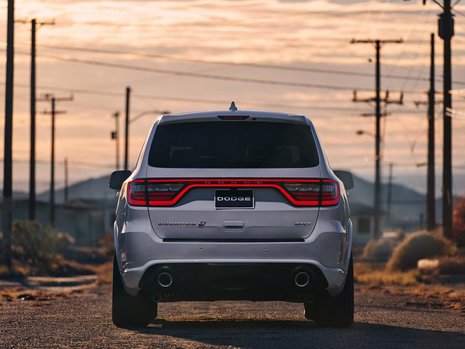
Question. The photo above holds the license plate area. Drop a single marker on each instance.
(234, 198)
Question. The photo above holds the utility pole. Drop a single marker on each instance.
(391, 165)
(431, 197)
(115, 136)
(431, 186)
(53, 112)
(8, 141)
(446, 31)
(32, 101)
(66, 197)
(377, 194)
(126, 129)
(32, 158)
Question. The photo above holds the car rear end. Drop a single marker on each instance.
(234, 205)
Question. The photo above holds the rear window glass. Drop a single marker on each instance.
(233, 144)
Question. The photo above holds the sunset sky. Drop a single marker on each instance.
(75, 56)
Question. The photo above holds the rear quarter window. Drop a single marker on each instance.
(233, 144)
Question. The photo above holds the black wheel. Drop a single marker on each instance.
(129, 311)
(335, 311)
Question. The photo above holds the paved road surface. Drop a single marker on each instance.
(83, 320)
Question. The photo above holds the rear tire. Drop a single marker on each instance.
(335, 311)
(129, 311)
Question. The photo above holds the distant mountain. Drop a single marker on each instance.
(90, 189)
(407, 209)
(17, 195)
(363, 192)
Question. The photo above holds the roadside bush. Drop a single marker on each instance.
(417, 246)
(459, 223)
(38, 246)
(379, 250)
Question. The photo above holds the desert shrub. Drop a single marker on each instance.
(459, 223)
(37, 245)
(379, 250)
(416, 246)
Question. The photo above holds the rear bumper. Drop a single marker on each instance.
(235, 280)
(326, 253)
(232, 281)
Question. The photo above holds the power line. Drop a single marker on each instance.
(207, 76)
(201, 75)
(211, 76)
(200, 100)
(263, 104)
(180, 99)
(236, 64)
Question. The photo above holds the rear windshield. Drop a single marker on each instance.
(233, 144)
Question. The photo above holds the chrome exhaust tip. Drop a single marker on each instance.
(164, 279)
(302, 279)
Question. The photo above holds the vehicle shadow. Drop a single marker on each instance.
(303, 334)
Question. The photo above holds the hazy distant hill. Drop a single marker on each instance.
(89, 189)
(364, 191)
(16, 195)
(408, 207)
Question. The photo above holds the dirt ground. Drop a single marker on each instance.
(80, 317)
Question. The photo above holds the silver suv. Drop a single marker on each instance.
(232, 205)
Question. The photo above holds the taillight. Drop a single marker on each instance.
(321, 193)
(308, 192)
(145, 193)
(162, 191)
(303, 192)
(136, 193)
(329, 193)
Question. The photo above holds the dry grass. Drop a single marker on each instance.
(104, 273)
(408, 284)
(366, 274)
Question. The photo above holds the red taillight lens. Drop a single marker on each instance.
(136, 193)
(145, 193)
(321, 193)
(329, 193)
(305, 193)
(162, 191)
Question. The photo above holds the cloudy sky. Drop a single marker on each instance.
(97, 48)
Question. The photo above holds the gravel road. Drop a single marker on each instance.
(82, 319)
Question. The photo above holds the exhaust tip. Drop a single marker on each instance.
(164, 279)
(302, 279)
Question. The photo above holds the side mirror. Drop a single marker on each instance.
(117, 179)
(346, 178)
